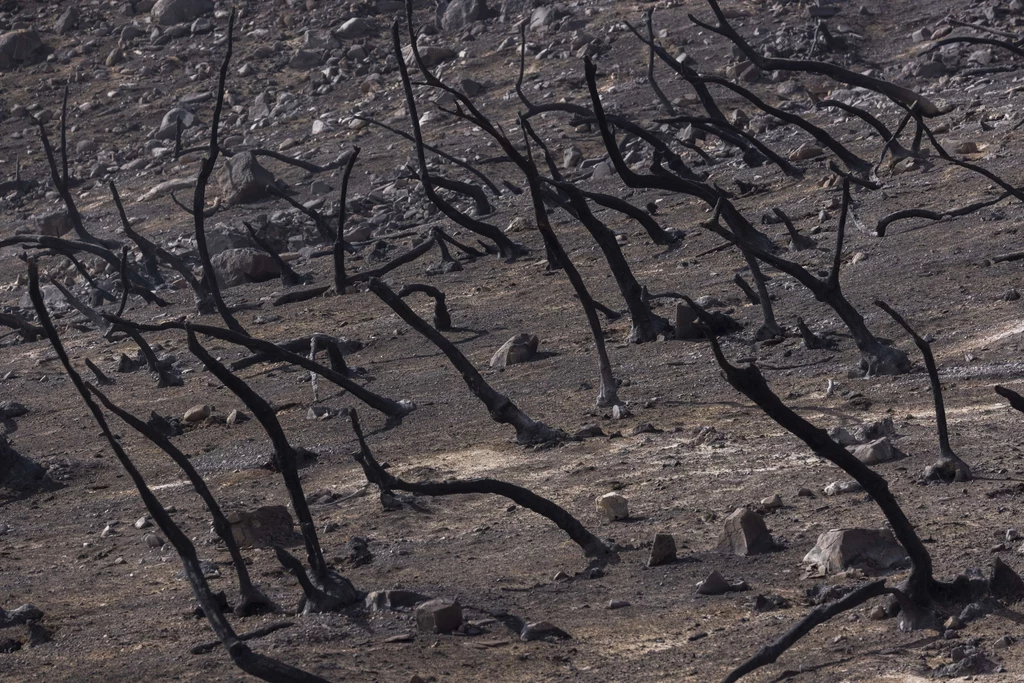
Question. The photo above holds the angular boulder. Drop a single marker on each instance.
(244, 180)
(235, 267)
(872, 550)
(439, 616)
(461, 13)
(612, 507)
(663, 550)
(745, 533)
(518, 349)
(876, 452)
(263, 527)
(171, 12)
(18, 48)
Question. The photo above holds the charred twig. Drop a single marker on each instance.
(650, 65)
(1015, 399)
(319, 220)
(442, 319)
(819, 615)
(62, 182)
(210, 283)
(711, 196)
(749, 293)
(797, 242)
(752, 384)
(289, 278)
(811, 340)
(27, 330)
(204, 304)
(101, 378)
(269, 351)
(646, 326)
(592, 546)
(876, 357)
(284, 461)
(507, 248)
(886, 221)
(203, 648)
(488, 183)
(949, 466)
(257, 665)
(607, 393)
(253, 599)
(442, 235)
(501, 408)
(400, 260)
(338, 249)
(894, 92)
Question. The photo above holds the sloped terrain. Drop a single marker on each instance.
(118, 609)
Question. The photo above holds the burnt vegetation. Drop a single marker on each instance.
(650, 155)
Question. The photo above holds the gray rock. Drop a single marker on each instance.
(17, 472)
(377, 601)
(9, 409)
(838, 487)
(461, 13)
(235, 267)
(542, 630)
(319, 39)
(197, 413)
(432, 55)
(518, 349)
(876, 452)
(572, 157)
(745, 533)
(663, 550)
(67, 21)
(18, 48)
(470, 87)
(244, 180)
(305, 59)
(169, 125)
(439, 616)
(153, 541)
(170, 12)
(873, 550)
(613, 506)
(54, 223)
(617, 604)
(354, 28)
(714, 584)
(542, 17)
(686, 322)
(143, 523)
(263, 527)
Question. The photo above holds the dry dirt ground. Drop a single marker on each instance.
(119, 610)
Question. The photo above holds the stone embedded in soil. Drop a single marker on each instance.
(613, 506)
(663, 550)
(171, 12)
(745, 533)
(1005, 583)
(542, 630)
(153, 541)
(872, 550)
(263, 527)
(518, 349)
(235, 267)
(838, 487)
(876, 452)
(714, 584)
(439, 615)
(142, 523)
(617, 604)
(772, 502)
(376, 601)
(197, 413)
